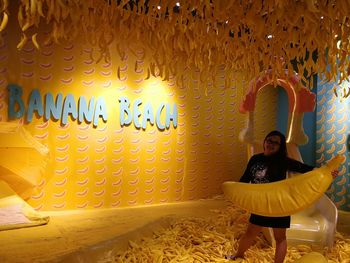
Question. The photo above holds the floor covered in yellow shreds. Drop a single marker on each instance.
(197, 231)
(194, 239)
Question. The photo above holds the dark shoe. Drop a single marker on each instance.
(232, 257)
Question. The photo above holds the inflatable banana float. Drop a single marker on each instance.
(284, 197)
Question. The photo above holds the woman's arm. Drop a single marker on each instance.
(299, 167)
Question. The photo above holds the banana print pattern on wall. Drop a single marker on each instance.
(332, 133)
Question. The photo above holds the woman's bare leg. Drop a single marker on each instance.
(247, 239)
(281, 244)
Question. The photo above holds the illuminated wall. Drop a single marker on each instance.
(332, 134)
(113, 166)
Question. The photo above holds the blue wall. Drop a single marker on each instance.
(333, 129)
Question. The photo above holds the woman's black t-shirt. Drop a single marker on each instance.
(267, 169)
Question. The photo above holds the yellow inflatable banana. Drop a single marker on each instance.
(284, 197)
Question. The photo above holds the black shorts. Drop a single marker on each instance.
(267, 221)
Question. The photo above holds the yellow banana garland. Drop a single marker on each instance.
(245, 36)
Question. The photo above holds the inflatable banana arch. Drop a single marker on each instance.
(284, 197)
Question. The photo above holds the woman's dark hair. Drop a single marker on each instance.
(282, 152)
(278, 159)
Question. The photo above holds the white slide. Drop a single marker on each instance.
(315, 225)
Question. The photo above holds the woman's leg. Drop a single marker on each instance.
(247, 239)
(281, 244)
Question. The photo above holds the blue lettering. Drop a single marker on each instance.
(159, 111)
(51, 108)
(35, 104)
(137, 113)
(69, 108)
(15, 102)
(85, 112)
(124, 109)
(171, 117)
(100, 110)
(148, 116)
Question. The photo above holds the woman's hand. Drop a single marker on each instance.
(335, 173)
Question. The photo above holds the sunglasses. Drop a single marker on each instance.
(269, 141)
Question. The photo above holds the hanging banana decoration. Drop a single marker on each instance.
(284, 197)
(35, 42)
(245, 36)
(4, 21)
(24, 40)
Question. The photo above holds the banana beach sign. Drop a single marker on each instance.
(61, 108)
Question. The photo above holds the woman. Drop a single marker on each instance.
(270, 166)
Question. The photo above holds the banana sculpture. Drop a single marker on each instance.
(284, 197)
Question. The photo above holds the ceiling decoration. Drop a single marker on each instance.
(172, 36)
